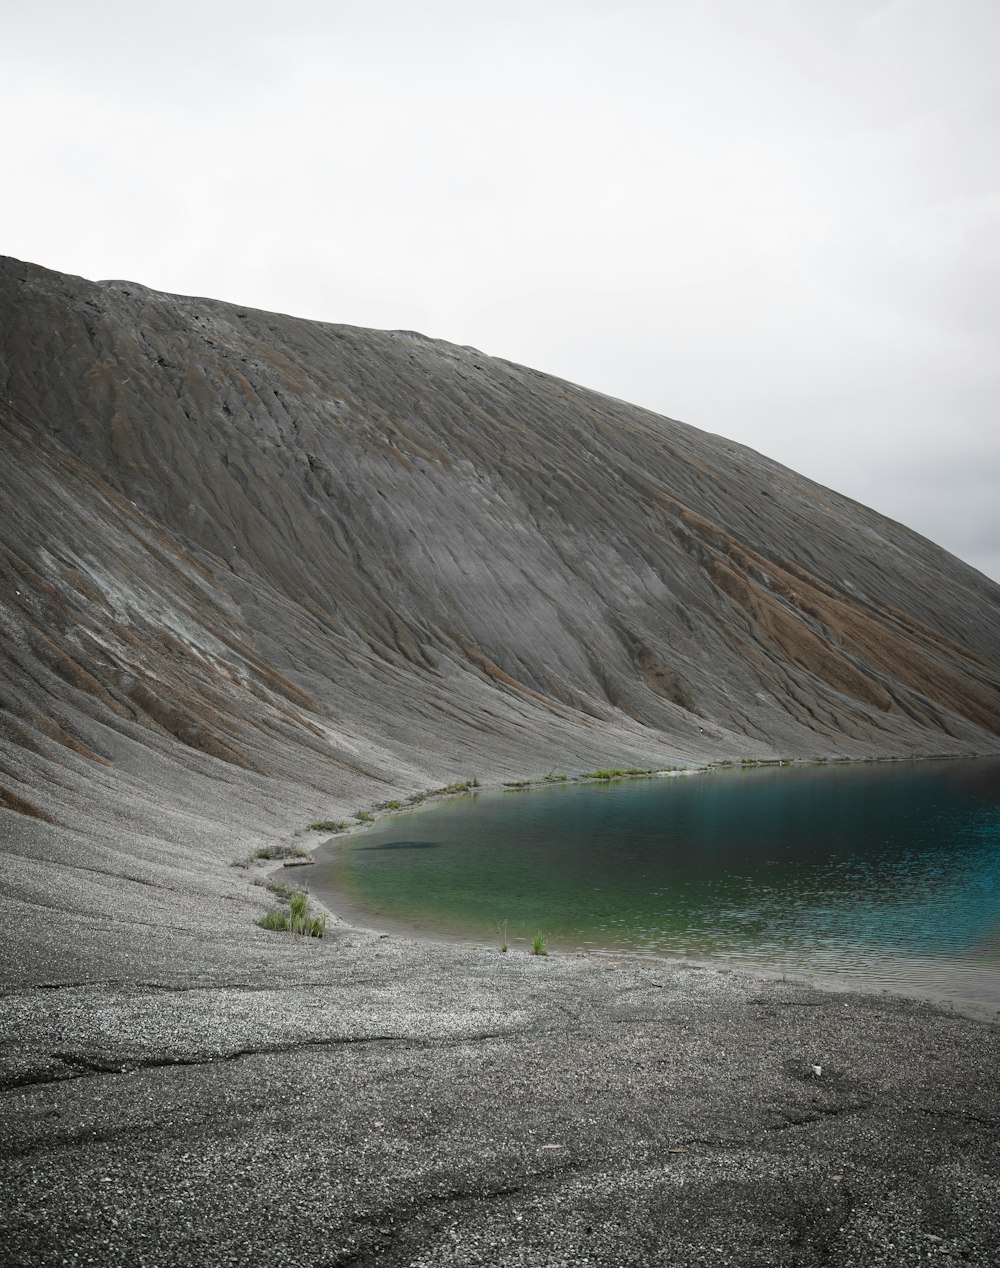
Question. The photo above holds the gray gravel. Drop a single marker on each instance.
(420, 1105)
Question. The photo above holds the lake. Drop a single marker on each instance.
(880, 876)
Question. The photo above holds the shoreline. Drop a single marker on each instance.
(375, 1101)
(346, 917)
(380, 1102)
(870, 982)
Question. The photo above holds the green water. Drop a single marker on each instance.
(888, 874)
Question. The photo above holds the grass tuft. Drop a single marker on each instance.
(279, 889)
(300, 920)
(271, 852)
(276, 920)
(463, 786)
(539, 945)
(620, 772)
(329, 825)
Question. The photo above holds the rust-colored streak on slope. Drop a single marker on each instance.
(11, 801)
(777, 599)
(210, 691)
(903, 622)
(270, 538)
(187, 724)
(880, 645)
(794, 638)
(477, 657)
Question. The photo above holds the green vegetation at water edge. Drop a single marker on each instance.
(299, 919)
(278, 888)
(465, 785)
(276, 852)
(276, 920)
(630, 772)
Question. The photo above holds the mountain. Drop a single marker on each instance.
(295, 547)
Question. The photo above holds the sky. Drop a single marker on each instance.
(777, 220)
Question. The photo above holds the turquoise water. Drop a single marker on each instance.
(887, 874)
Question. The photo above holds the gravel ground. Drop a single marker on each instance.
(181, 1087)
(370, 1100)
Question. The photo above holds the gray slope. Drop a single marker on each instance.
(259, 571)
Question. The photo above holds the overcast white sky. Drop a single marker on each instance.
(774, 219)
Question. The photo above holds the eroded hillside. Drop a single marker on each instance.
(286, 545)
(258, 572)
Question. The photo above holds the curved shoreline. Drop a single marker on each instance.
(866, 981)
(379, 1102)
(346, 917)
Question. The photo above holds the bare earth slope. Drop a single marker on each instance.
(257, 571)
(347, 505)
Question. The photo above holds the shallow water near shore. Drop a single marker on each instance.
(882, 875)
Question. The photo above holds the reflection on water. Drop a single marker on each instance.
(887, 873)
(400, 845)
